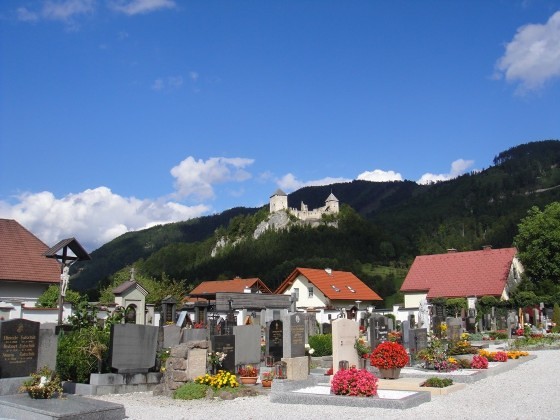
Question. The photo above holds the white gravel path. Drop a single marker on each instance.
(529, 391)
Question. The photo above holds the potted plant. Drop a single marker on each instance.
(266, 379)
(389, 357)
(43, 384)
(248, 374)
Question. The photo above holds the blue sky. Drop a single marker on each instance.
(118, 115)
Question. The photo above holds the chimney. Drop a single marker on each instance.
(486, 247)
(329, 271)
(451, 250)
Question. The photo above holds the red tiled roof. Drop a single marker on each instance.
(233, 286)
(460, 274)
(338, 285)
(21, 256)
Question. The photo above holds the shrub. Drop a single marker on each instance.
(438, 382)
(81, 352)
(190, 391)
(354, 382)
(322, 344)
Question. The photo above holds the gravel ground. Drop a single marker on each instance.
(529, 391)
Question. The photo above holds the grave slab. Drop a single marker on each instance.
(70, 407)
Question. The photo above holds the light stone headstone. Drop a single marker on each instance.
(196, 363)
(171, 336)
(405, 328)
(48, 346)
(247, 344)
(345, 332)
(454, 329)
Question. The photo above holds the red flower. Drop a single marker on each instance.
(389, 355)
(354, 382)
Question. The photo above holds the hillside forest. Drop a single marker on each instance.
(380, 229)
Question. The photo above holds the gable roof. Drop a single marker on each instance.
(460, 274)
(235, 286)
(335, 285)
(22, 256)
(127, 285)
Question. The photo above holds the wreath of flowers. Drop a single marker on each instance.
(389, 355)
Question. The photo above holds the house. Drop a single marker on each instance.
(328, 292)
(25, 272)
(245, 301)
(469, 274)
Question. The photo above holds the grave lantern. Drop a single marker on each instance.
(280, 369)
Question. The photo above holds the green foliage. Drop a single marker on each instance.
(436, 382)
(455, 305)
(556, 314)
(538, 242)
(322, 344)
(49, 298)
(191, 391)
(81, 352)
(524, 299)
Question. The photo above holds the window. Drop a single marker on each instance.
(296, 292)
(310, 289)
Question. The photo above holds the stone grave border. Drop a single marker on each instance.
(114, 383)
(477, 374)
(282, 391)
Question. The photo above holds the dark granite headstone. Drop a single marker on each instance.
(19, 347)
(327, 328)
(405, 328)
(225, 344)
(418, 339)
(275, 342)
(379, 331)
(296, 343)
(132, 347)
(471, 324)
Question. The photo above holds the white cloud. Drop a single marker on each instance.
(26, 15)
(458, 167)
(135, 7)
(170, 83)
(533, 56)
(66, 10)
(377, 175)
(94, 216)
(193, 75)
(195, 178)
(290, 183)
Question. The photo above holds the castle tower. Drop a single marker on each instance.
(278, 201)
(331, 204)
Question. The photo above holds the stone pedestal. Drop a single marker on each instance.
(297, 368)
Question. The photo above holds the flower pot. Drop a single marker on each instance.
(248, 380)
(393, 373)
(266, 384)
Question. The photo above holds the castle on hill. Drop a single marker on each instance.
(279, 202)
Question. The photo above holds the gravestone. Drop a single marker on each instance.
(171, 336)
(471, 325)
(378, 330)
(132, 347)
(19, 347)
(511, 323)
(275, 342)
(418, 339)
(294, 336)
(454, 329)
(405, 328)
(247, 344)
(48, 346)
(327, 328)
(225, 344)
(437, 325)
(345, 333)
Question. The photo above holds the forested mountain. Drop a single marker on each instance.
(380, 225)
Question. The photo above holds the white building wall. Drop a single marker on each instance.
(412, 300)
(317, 301)
(27, 293)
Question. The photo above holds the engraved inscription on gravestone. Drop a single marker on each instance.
(275, 340)
(297, 336)
(19, 347)
(225, 344)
